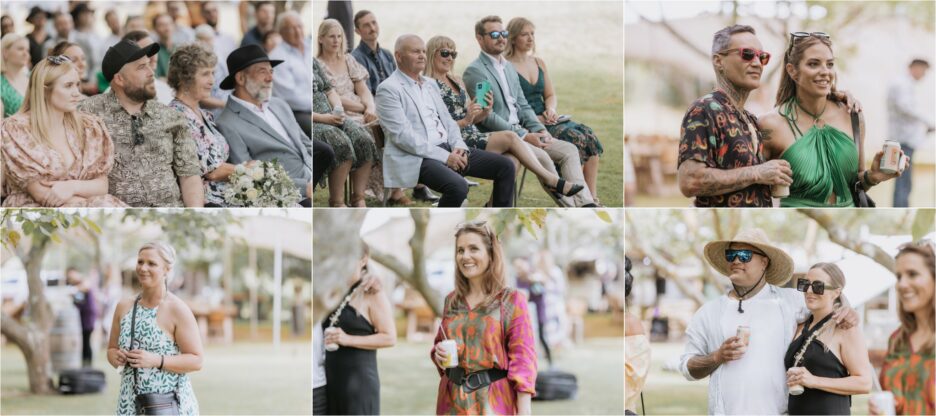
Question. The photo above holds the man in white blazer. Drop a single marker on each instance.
(258, 126)
(423, 142)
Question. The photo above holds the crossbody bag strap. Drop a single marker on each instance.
(133, 338)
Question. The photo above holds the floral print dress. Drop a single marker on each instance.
(213, 149)
(150, 337)
(498, 335)
(456, 103)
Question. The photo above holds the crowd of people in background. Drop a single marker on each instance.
(158, 112)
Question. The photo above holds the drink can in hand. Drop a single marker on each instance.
(796, 390)
(884, 401)
(451, 349)
(744, 332)
(890, 162)
(330, 346)
(780, 191)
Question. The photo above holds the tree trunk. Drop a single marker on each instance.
(32, 337)
(337, 247)
(845, 238)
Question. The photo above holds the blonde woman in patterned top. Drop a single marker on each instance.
(54, 155)
(166, 341)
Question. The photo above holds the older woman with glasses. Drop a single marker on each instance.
(54, 155)
(825, 365)
(814, 132)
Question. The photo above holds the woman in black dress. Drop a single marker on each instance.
(829, 363)
(364, 324)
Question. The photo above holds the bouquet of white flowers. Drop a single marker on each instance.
(265, 184)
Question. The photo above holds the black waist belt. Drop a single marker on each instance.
(476, 380)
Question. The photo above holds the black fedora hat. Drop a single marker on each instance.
(243, 57)
(123, 52)
(35, 11)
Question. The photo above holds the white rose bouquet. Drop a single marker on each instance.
(265, 184)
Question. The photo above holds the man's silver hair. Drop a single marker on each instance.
(283, 16)
(722, 38)
(398, 46)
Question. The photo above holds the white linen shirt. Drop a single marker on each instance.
(432, 122)
(705, 335)
(505, 88)
(905, 122)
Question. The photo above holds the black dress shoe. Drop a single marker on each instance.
(424, 194)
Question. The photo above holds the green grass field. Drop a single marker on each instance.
(244, 378)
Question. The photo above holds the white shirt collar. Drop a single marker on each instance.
(251, 106)
(498, 60)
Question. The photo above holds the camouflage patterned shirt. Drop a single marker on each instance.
(146, 174)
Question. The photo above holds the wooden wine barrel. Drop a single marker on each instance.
(65, 339)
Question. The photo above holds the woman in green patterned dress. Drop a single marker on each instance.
(355, 149)
(166, 341)
(15, 77)
(814, 133)
(539, 92)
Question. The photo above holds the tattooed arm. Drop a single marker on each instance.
(696, 179)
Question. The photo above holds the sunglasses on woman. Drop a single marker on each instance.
(818, 287)
(744, 255)
(445, 53)
(794, 36)
(747, 54)
(497, 35)
(57, 59)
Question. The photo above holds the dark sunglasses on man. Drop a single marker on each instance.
(747, 54)
(818, 287)
(745, 255)
(497, 35)
(445, 53)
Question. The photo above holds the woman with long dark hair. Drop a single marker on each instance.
(490, 325)
(813, 131)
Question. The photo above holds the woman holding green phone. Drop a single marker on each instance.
(441, 53)
(540, 94)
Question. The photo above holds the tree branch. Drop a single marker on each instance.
(841, 236)
(663, 266)
(679, 36)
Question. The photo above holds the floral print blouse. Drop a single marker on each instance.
(213, 149)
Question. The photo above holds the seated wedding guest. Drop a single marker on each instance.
(133, 23)
(86, 37)
(441, 55)
(38, 18)
(6, 25)
(829, 364)
(214, 102)
(292, 82)
(378, 61)
(191, 70)
(354, 149)
(539, 92)
(323, 157)
(75, 54)
(15, 72)
(224, 44)
(164, 94)
(265, 13)
(182, 33)
(157, 161)
(510, 110)
(909, 370)
(113, 24)
(271, 40)
(423, 143)
(163, 27)
(259, 126)
(53, 154)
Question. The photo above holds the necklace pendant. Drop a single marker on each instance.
(820, 123)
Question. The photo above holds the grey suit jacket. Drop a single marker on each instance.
(483, 68)
(251, 138)
(407, 141)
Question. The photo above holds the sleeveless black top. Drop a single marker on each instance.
(820, 363)
(353, 382)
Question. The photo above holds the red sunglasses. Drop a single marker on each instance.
(748, 54)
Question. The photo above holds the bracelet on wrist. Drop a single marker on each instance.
(162, 360)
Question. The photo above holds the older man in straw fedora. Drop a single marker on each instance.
(747, 371)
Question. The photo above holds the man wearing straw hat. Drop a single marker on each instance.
(746, 365)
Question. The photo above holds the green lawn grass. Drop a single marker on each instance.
(591, 98)
(244, 378)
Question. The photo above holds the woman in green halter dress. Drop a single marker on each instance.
(166, 343)
(814, 134)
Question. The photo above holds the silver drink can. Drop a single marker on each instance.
(744, 332)
(796, 390)
(890, 162)
(332, 346)
(780, 191)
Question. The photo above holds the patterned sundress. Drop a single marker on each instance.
(488, 340)
(911, 376)
(456, 101)
(150, 337)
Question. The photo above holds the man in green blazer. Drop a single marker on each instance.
(512, 112)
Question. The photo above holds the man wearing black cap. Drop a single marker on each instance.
(156, 162)
(258, 126)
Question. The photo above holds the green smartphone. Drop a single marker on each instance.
(481, 90)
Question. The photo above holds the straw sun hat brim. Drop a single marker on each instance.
(779, 271)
